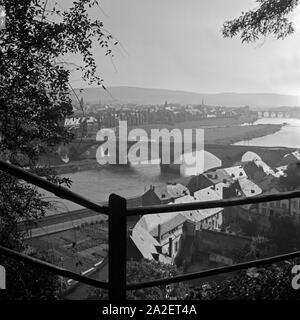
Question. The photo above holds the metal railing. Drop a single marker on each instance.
(117, 222)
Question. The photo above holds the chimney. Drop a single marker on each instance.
(159, 232)
(170, 246)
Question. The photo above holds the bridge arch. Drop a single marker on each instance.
(205, 160)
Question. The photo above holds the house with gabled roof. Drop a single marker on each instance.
(249, 189)
(163, 194)
(218, 175)
(203, 218)
(236, 172)
(142, 245)
(198, 182)
(166, 229)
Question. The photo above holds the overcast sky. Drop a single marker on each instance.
(177, 44)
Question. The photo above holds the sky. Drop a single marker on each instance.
(178, 45)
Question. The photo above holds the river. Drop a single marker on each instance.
(288, 136)
(98, 184)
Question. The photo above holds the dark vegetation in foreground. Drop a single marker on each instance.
(273, 282)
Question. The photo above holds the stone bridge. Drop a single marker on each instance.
(278, 114)
(227, 155)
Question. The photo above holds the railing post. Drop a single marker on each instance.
(117, 236)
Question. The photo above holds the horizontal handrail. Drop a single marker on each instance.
(143, 210)
(52, 268)
(59, 191)
(69, 195)
(197, 205)
(212, 272)
(135, 286)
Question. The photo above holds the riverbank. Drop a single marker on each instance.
(232, 134)
(75, 166)
(194, 124)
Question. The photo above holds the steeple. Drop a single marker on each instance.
(81, 103)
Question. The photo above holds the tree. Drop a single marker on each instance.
(285, 233)
(269, 18)
(35, 98)
(271, 283)
(25, 282)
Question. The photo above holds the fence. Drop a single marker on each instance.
(117, 217)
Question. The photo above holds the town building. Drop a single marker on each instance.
(280, 208)
(236, 172)
(166, 229)
(163, 194)
(142, 245)
(203, 218)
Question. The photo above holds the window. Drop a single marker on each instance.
(278, 204)
(283, 205)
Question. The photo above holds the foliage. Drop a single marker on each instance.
(34, 101)
(269, 18)
(25, 282)
(149, 270)
(259, 248)
(250, 228)
(285, 233)
(18, 202)
(146, 270)
(34, 79)
(270, 283)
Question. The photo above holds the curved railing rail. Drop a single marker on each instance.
(211, 204)
(213, 272)
(59, 191)
(117, 217)
(52, 268)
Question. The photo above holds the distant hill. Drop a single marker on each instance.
(137, 95)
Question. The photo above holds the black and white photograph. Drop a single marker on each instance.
(149, 151)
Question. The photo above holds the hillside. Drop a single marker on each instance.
(137, 95)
